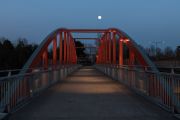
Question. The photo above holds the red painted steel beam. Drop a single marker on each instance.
(65, 48)
(131, 57)
(132, 46)
(110, 47)
(137, 54)
(99, 53)
(114, 47)
(71, 48)
(74, 55)
(54, 51)
(60, 48)
(121, 51)
(106, 49)
(106, 52)
(67, 45)
(86, 38)
(45, 59)
(87, 30)
(38, 57)
(69, 55)
(87, 47)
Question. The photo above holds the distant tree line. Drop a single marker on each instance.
(14, 55)
(163, 54)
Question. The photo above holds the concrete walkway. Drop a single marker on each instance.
(88, 95)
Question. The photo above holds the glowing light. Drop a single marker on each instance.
(121, 40)
(126, 40)
(99, 17)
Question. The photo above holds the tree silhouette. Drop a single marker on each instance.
(80, 50)
(178, 52)
(7, 54)
(169, 53)
(14, 57)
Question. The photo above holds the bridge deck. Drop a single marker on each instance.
(89, 95)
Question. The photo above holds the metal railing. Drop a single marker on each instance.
(17, 90)
(168, 69)
(161, 88)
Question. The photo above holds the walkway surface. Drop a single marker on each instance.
(89, 95)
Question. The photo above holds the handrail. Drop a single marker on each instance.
(161, 88)
(146, 68)
(16, 90)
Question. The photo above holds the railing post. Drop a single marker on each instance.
(172, 94)
(172, 70)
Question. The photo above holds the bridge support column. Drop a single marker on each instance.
(106, 49)
(65, 48)
(100, 52)
(114, 48)
(70, 50)
(121, 51)
(131, 52)
(103, 51)
(110, 47)
(74, 56)
(55, 51)
(45, 59)
(60, 48)
(131, 57)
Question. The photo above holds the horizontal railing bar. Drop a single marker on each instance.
(17, 89)
(162, 88)
(40, 70)
(14, 70)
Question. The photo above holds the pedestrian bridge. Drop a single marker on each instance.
(123, 84)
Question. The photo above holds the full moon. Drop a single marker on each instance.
(99, 17)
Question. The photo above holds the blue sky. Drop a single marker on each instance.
(144, 20)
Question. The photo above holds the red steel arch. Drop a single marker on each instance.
(107, 50)
(114, 39)
(67, 50)
(107, 53)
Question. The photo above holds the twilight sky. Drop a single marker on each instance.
(144, 20)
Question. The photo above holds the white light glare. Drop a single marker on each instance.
(99, 17)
